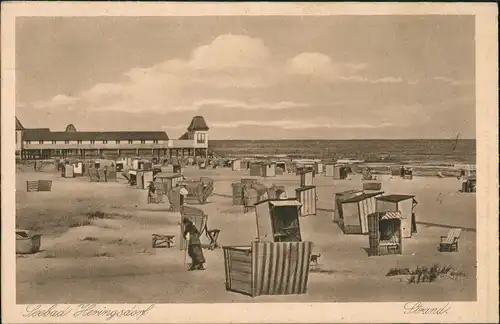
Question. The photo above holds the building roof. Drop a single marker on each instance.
(71, 128)
(349, 192)
(394, 198)
(35, 132)
(19, 126)
(283, 203)
(362, 197)
(93, 136)
(305, 188)
(184, 136)
(168, 175)
(198, 124)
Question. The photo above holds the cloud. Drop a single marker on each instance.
(321, 66)
(451, 81)
(230, 52)
(229, 61)
(224, 73)
(101, 90)
(295, 124)
(56, 101)
(316, 64)
(359, 79)
(236, 104)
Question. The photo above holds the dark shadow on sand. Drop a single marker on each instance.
(467, 229)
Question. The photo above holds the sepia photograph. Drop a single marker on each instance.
(202, 159)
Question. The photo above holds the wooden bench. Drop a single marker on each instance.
(162, 240)
(213, 235)
(450, 243)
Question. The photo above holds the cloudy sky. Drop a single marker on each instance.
(336, 77)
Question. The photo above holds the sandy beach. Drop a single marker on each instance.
(109, 259)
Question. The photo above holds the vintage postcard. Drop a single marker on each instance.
(249, 162)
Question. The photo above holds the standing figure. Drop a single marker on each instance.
(105, 173)
(151, 192)
(195, 251)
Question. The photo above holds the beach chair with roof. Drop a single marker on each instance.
(450, 243)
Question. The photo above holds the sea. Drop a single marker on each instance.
(436, 152)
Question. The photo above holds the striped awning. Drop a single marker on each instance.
(391, 215)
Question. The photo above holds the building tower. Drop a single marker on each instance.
(197, 132)
(70, 128)
(199, 129)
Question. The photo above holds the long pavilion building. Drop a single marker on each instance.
(42, 143)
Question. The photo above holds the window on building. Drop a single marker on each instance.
(155, 141)
(79, 142)
(40, 142)
(130, 142)
(66, 142)
(28, 142)
(200, 138)
(143, 142)
(54, 142)
(104, 142)
(117, 142)
(92, 142)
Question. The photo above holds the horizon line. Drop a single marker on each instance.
(340, 139)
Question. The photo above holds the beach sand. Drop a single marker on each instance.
(110, 260)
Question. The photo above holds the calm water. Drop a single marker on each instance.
(445, 151)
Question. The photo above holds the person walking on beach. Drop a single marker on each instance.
(105, 173)
(195, 251)
(151, 191)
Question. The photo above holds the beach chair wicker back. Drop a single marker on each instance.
(261, 190)
(195, 215)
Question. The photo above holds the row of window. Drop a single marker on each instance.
(200, 138)
(93, 142)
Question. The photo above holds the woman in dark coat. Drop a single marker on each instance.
(195, 251)
(151, 191)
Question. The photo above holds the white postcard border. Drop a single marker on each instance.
(484, 310)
